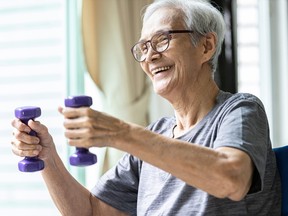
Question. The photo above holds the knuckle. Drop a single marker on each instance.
(21, 146)
(88, 124)
(90, 131)
(67, 133)
(20, 153)
(22, 127)
(45, 128)
(86, 111)
(16, 134)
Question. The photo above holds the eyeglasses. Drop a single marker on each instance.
(159, 43)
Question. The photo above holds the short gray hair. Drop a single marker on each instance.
(199, 16)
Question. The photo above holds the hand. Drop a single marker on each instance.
(85, 127)
(24, 144)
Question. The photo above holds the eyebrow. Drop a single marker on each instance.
(157, 32)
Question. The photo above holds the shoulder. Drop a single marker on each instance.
(227, 100)
(162, 124)
(241, 108)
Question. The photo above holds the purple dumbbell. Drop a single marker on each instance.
(82, 156)
(29, 164)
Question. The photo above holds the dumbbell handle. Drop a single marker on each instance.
(82, 156)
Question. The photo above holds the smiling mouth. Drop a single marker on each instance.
(161, 69)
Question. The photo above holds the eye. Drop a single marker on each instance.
(162, 38)
(142, 48)
(160, 41)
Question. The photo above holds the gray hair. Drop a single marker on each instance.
(199, 16)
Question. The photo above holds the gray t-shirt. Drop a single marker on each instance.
(237, 121)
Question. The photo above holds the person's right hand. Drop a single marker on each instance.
(24, 144)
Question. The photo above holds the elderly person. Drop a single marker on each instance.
(213, 157)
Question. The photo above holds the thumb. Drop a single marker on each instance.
(60, 109)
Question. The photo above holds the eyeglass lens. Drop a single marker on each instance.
(158, 42)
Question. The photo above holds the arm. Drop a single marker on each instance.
(70, 197)
(222, 172)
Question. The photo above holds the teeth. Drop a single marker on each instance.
(160, 69)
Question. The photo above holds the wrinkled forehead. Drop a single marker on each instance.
(161, 20)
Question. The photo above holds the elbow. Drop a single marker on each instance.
(237, 193)
(232, 190)
(236, 188)
(235, 177)
(236, 184)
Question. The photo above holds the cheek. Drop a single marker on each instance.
(185, 71)
(145, 69)
(182, 68)
(180, 74)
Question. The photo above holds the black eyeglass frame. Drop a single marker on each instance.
(149, 41)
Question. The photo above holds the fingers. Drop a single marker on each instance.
(81, 122)
(32, 125)
(80, 117)
(76, 112)
(25, 137)
(82, 137)
(25, 150)
(38, 128)
(16, 123)
(25, 145)
(85, 127)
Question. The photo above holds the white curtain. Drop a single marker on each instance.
(110, 28)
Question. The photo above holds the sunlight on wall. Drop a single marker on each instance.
(32, 72)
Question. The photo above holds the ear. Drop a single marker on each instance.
(209, 46)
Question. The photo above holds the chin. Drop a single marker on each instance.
(162, 88)
(160, 91)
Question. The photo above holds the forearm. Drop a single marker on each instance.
(70, 197)
(222, 173)
(188, 159)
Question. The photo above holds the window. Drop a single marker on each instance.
(33, 65)
(262, 57)
(248, 46)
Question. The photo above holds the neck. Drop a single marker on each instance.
(194, 104)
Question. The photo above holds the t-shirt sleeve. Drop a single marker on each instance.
(119, 186)
(244, 126)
